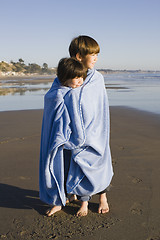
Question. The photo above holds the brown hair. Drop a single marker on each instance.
(69, 68)
(83, 45)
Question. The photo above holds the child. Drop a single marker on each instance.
(71, 72)
(77, 121)
(86, 50)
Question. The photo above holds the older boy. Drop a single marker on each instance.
(86, 50)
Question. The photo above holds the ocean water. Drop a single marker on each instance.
(26, 96)
(136, 90)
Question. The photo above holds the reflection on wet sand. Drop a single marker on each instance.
(21, 86)
(21, 91)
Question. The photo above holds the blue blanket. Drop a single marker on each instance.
(78, 120)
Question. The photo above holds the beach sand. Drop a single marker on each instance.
(134, 198)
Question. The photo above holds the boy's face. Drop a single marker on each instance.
(75, 82)
(90, 60)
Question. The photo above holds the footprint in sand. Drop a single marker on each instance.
(135, 179)
(8, 140)
(136, 209)
(114, 162)
(122, 148)
(154, 238)
(24, 178)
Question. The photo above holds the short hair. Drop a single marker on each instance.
(83, 45)
(69, 68)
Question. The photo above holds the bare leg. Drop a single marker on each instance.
(103, 204)
(53, 210)
(71, 198)
(83, 211)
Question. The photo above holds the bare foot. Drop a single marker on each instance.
(53, 210)
(103, 204)
(83, 211)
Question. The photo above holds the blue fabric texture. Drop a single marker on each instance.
(78, 120)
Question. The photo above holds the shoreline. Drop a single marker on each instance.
(156, 114)
(133, 199)
(29, 76)
(22, 82)
(35, 79)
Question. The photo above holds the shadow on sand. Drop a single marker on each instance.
(18, 198)
(15, 197)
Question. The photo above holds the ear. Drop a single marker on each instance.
(79, 58)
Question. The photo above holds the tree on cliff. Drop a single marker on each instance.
(21, 67)
(21, 61)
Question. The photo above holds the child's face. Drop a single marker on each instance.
(75, 82)
(90, 60)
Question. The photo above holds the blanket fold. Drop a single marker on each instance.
(78, 120)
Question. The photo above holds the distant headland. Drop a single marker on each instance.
(20, 69)
(110, 71)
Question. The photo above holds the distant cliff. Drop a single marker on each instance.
(20, 68)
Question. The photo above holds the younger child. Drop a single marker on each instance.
(71, 72)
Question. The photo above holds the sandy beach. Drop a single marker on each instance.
(134, 197)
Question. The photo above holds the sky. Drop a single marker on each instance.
(40, 31)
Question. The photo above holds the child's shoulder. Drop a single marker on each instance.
(98, 76)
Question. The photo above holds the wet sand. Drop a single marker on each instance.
(8, 85)
(133, 199)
